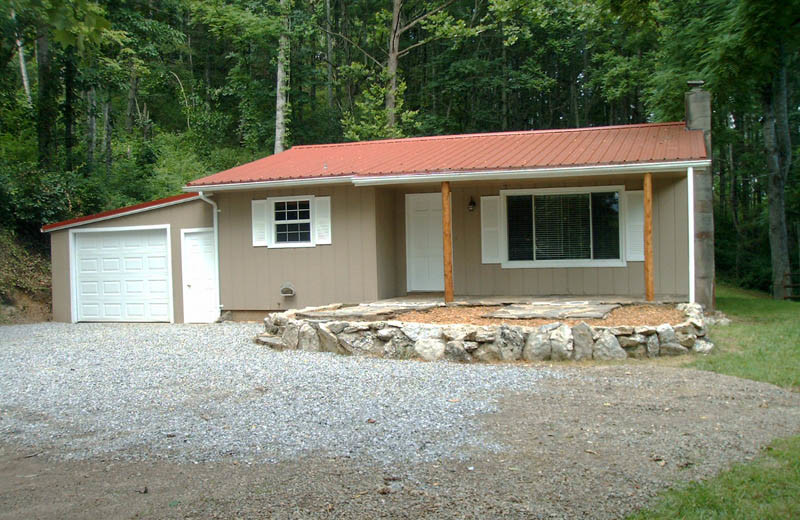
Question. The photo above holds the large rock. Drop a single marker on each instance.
(537, 347)
(686, 340)
(509, 343)
(386, 333)
(417, 331)
(399, 347)
(621, 330)
(583, 341)
(644, 330)
(429, 349)
(358, 342)
(632, 341)
(666, 334)
(673, 349)
(327, 339)
(459, 332)
(308, 339)
(273, 342)
(484, 334)
(487, 352)
(638, 352)
(702, 346)
(561, 343)
(291, 334)
(607, 347)
(457, 351)
(653, 348)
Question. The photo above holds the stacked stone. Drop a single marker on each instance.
(468, 343)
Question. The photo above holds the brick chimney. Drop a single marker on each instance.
(698, 117)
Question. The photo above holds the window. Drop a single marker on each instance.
(292, 221)
(563, 227)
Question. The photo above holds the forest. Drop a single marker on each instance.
(105, 103)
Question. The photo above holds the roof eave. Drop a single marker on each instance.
(121, 213)
(570, 171)
(283, 183)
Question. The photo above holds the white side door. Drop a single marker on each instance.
(424, 247)
(199, 271)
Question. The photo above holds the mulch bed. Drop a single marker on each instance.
(625, 315)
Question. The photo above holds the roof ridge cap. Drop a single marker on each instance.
(485, 134)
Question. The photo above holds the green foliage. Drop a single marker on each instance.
(368, 120)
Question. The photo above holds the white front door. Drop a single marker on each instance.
(199, 270)
(122, 275)
(424, 249)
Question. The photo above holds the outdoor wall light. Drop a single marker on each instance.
(471, 205)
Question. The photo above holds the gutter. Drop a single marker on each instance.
(287, 183)
(215, 211)
(573, 171)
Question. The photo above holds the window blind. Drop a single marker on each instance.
(562, 226)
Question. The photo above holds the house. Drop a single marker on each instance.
(616, 211)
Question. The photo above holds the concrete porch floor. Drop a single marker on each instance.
(512, 307)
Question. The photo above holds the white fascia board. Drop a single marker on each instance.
(288, 183)
(577, 171)
(121, 214)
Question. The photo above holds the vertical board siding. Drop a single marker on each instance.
(193, 214)
(344, 271)
(473, 278)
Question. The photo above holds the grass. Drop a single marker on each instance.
(762, 343)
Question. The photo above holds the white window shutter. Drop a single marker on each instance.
(634, 226)
(260, 228)
(490, 230)
(322, 220)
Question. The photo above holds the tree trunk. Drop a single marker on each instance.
(504, 92)
(391, 65)
(329, 47)
(108, 126)
(133, 88)
(47, 108)
(69, 105)
(779, 157)
(282, 85)
(91, 127)
(23, 68)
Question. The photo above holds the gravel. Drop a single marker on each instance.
(199, 393)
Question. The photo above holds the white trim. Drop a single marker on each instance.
(72, 261)
(690, 203)
(505, 263)
(122, 214)
(271, 243)
(288, 183)
(572, 171)
(184, 232)
(215, 223)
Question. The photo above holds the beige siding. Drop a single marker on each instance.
(344, 271)
(386, 225)
(471, 277)
(187, 215)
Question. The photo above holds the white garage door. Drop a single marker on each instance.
(122, 275)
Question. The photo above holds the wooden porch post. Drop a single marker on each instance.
(649, 282)
(447, 240)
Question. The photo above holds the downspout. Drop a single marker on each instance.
(215, 219)
(690, 196)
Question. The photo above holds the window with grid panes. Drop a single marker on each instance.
(292, 221)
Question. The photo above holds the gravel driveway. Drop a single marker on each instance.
(350, 437)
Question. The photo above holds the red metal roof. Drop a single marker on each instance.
(537, 149)
(136, 208)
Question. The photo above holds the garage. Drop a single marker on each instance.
(150, 262)
(122, 275)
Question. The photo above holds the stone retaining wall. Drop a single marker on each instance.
(468, 343)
